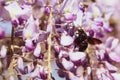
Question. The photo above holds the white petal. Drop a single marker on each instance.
(110, 67)
(103, 74)
(115, 42)
(75, 56)
(96, 11)
(3, 51)
(29, 44)
(49, 28)
(78, 20)
(11, 78)
(89, 70)
(14, 9)
(20, 63)
(30, 67)
(100, 53)
(66, 40)
(27, 33)
(117, 50)
(116, 76)
(37, 50)
(109, 2)
(62, 53)
(109, 41)
(114, 56)
(80, 71)
(73, 77)
(36, 71)
(67, 64)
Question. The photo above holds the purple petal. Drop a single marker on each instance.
(4, 14)
(91, 33)
(14, 23)
(109, 41)
(81, 7)
(25, 69)
(18, 33)
(21, 20)
(43, 76)
(70, 17)
(43, 72)
(59, 64)
(2, 33)
(43, 37)
(61, 73)
(57, 49)
(99, 22)
(100, 34)
(2, 3)
(47, 11)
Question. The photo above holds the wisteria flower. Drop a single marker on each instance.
(66, 40)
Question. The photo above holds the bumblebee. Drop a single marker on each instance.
(81, 40)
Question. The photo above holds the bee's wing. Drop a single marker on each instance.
(93, 41)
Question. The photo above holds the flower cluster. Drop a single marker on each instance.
(69, 34)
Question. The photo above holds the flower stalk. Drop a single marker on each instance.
(49, 48)
(49, 57)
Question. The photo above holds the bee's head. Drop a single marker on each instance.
(79, 32)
